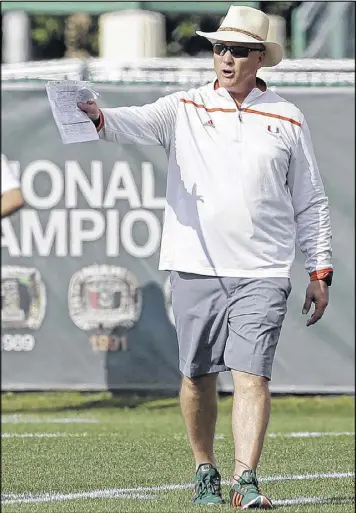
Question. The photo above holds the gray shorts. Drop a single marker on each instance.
(228, 323)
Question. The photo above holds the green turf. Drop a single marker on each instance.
(141, 442)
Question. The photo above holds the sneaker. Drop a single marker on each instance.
(245, 494)
(207, 485)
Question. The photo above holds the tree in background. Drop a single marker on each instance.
(181, 37)
(47, 36)
(80, 36)
(77, 35)
(55, 37)
(180, 29)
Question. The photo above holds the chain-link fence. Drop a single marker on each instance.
(181, 71)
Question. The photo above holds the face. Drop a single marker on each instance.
(232, 71)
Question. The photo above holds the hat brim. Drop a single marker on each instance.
(274, 51)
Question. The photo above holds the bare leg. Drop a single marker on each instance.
(250, 416)
(198, 402)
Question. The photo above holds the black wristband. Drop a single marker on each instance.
(96, 121)
(328, 278)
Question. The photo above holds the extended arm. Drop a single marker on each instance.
(11, 201)
(151, 124)
(11, 196)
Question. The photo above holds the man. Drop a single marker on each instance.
(11, 196)
(242, 185)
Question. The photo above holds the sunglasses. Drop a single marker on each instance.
(236, 51)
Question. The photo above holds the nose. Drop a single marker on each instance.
(228, 58)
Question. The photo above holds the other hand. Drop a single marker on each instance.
(91, 109)
(317, 293)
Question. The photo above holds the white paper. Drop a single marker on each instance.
(73, 124)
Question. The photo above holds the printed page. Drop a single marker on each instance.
(74, 125)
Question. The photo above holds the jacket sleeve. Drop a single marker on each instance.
(311, 208)
(151, 124)
(8, 179)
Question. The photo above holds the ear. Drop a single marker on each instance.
(261, 59)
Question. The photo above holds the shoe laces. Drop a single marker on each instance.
(208, 484)
(248, 480)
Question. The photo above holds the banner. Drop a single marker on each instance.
(83, 303)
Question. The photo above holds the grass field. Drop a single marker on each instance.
(91, 453)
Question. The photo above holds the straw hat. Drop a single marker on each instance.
(246, 25)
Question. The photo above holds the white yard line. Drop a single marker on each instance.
(301, 477)
(309, 500)
(42, 435)
(138, 492)
(24, 419)
(301, 434)
(217, 437)
(310, 434)
(75, 496)
(93, 495)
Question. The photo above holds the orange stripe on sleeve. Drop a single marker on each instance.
(320, 274)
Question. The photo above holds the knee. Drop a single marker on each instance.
(249, 383)
(200, 383)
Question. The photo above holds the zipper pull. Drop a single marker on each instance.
(238, 109)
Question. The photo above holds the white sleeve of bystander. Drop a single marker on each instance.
(8, 179)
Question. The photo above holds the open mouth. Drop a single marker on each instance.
(227, 73)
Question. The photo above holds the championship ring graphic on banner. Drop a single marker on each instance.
(167, 291)
(105, 301)
(23, 298)
(23, 306)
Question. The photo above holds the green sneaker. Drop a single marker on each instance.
(207, 485)
(245, 494)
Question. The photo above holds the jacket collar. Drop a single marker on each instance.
(252, 96)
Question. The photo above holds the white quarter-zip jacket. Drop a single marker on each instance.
(242, 182)
(8, 179)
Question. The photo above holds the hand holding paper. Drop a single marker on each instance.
(73, 124)
(90, 108)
